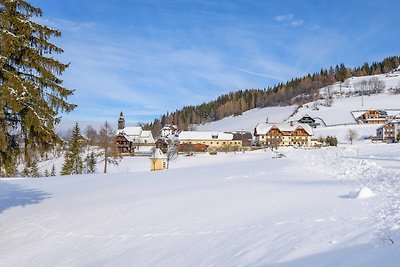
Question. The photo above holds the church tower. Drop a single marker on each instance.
(121, 121)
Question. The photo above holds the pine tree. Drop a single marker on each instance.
(34, 170)
(73, 162)
(31, 94)
(31, 169)
(53, 171)
(26, 171)
(90, 163)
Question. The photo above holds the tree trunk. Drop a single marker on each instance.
(105, 163)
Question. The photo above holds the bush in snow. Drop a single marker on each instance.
(331, 141)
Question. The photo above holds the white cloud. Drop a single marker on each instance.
(260, 74)
(297, 22)
(284, 18)
(289, 19)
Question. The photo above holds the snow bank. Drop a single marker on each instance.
(363, 192)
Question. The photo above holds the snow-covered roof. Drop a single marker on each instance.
(147, 135)
(194, 135)
(169, 127)
(393, 113)
(264, 128)
(157, 154)
(394, 121)
(132, 130)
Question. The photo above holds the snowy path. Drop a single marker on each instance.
(229, 210)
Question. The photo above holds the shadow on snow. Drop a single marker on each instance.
(12, 195)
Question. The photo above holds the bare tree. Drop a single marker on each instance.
(91, 134)
(108, 146)
(192, 127)
(328, 95)
(351, 135)
(172, 153)
(377, 86)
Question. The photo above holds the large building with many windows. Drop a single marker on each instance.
(213, 140)
(283, 134)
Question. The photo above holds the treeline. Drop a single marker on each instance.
(296, 91)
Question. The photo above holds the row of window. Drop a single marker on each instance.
(235, 143)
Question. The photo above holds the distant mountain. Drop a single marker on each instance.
(294, 92)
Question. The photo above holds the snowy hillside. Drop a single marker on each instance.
(341, 110)
(249, 119)
(225, 210)
(338, 118)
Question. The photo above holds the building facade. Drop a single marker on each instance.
(213, 140)
(283, 134)
(389, 132)
(131, 138)
(168, 129)
(373, 116)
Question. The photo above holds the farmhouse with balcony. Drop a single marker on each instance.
(390, 131)
(373, 116)
(283, 134)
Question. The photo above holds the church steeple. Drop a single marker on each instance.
(121, 121)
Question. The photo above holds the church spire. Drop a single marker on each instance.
(121, 121)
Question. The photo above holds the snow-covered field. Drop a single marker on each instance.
(244, 209)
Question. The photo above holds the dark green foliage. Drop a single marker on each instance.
(34, 169)
(90, 162)
(331, 141)
(53, 171)
(8, 151)
(31, 94)
(31, 169)
(73, 162)
(296, 91)
(398, 137)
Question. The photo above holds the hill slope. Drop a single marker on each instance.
(335, 119)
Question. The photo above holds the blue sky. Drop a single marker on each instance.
(149, 57)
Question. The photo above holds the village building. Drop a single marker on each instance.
(168, 129)
(307, 119)
(283, 134)
(157, 160)
(389, 132)
(132, 138)
(124, 144)
(209, 140)
(244, 136)
(373, 116)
